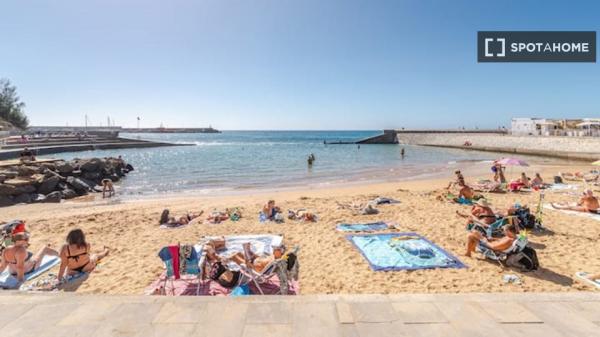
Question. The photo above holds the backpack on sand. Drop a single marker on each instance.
(525, 260)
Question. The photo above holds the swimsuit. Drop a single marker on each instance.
(76, 258)
(217, 269)
(29, 255)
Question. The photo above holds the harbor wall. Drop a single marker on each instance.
(579, 148)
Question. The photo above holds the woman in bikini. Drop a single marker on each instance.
(75, 255)
(20, 261)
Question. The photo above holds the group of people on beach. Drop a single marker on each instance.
(75, 254)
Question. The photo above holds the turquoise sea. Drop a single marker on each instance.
(238, 160)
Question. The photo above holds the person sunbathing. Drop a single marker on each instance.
(75, 255)
(465, 194)
(219, 272)
(496, 244)
(587, 203)
(167, 220)
(257, 262)
(587, 177)
(216, 217)
(522, 182)
(16, 257)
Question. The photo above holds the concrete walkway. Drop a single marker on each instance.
(565, 314)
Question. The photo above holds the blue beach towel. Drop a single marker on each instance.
(362, 227)
(402, 251)
(8, 281)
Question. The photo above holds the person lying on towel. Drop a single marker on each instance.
(588, 203)
(18, 259)
(75, 255)
(495, 244)
(171, 221)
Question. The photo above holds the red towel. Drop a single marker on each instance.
(174, 250)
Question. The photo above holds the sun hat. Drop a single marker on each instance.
(482, 202)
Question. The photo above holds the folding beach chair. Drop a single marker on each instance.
(192, 268)
(286, 269)
(518, 245)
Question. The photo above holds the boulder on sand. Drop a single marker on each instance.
(22, 199)
(68, 193)
(48, 185)
(78, 185)
(64, 167)
(6, 201)
(53, 197)
(92, 165)
(6, 190)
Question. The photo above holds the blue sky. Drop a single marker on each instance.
(288, 64)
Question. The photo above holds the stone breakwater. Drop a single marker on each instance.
(581, 148)
(52, 181)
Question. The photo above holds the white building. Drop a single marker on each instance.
(583, 127)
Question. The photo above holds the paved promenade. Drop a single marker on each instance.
(568, 314)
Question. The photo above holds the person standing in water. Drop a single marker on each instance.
(402, 152)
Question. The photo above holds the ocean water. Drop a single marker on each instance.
(239, 160)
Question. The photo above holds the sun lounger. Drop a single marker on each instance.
(171, 257)
(518, 245)
(284, 269)
(8, 281)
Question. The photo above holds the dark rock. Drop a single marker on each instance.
(62, 186)
(22, 199)
(64, 167)
(48, 166)
(92, 165)
(129, 167)
(9, 174)
(27, 171)
(3, 177)
(68, 193)
(93, 176)
(76, 173)
(90, 183)
(114, 178)
(53, 197)
(6, 190)
(36, 197)
(48, 185)
(25, 189)
(78, 185)
(6, 201)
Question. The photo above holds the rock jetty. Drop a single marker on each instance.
(52, 181)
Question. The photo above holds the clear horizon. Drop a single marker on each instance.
(304, 65)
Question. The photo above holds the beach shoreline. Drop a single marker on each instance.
(329, 263)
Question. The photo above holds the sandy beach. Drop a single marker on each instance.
(329, 263)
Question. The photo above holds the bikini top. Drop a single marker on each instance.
(76, 256)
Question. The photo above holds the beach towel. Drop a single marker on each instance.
(49, 282)
(172, 225)
(588, 215)
(188, 284)
(562, 187)
(260, 244)
(8, 281)
(362, 227)
(585, 277)
(402, 251)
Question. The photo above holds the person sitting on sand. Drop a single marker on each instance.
(16, 257)
(522, 182)
(75, 255)
(537, 181)
(587, 203)
(107, 187)
(465, 194)
(577, 176)
(270, 210)
(495, 244)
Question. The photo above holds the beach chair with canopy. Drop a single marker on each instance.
(171, 257)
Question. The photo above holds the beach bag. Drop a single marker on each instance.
(525, 260)
(558, 180)
(526, 219)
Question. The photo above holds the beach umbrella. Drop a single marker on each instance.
(512, 162)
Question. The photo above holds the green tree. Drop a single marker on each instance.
(11, 108)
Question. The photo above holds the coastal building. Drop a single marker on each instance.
(583, 127)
